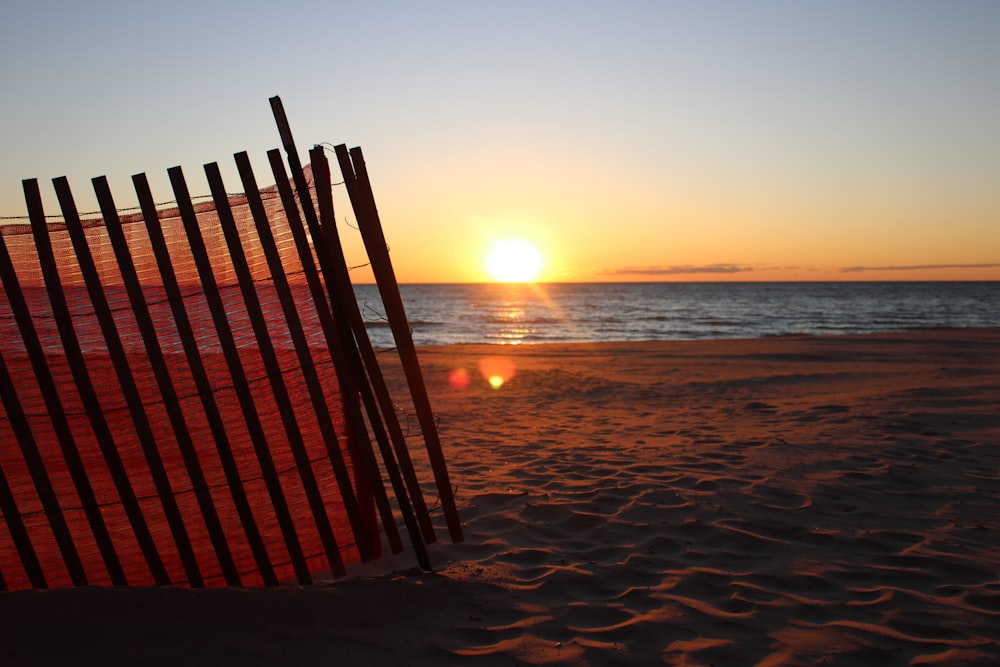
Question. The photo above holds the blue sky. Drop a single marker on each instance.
(790, 139)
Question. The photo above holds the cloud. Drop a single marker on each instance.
(917, 267)
(686, 269)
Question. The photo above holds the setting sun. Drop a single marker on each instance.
(514, 261)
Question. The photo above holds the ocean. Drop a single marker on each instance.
(555, 313)
(591, 312)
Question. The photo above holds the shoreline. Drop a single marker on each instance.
(788, 500)
(655, 341)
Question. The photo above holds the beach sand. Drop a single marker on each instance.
(785, 501)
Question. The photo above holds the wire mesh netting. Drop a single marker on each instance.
(172, 411)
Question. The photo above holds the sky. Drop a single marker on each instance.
(628, 141)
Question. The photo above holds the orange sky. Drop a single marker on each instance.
(644, 141)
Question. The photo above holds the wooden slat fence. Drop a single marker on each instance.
(189, 395)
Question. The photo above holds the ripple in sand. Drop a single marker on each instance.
(774, 497)
(659, 498)
(985, 598)
(888, 541)
(704, 651)
(583, 617)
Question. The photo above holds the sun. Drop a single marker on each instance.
(514, 261)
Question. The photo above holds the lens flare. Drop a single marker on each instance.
(497, 371)
(459, 378)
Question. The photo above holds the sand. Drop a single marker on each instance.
(787, 501)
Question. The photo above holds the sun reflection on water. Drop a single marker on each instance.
(512, 326)
(516, 313)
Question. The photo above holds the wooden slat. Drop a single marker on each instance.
(382, 398)
(8, 505)
(359, 188)
(164, 382)
(25, 438)
(240, 384)
(196, 364)
(324, 197)
(337, 345)
(130, 392)
(350, 370)
(265, 346)
(306, 362)
(85, 387)
(387, 408)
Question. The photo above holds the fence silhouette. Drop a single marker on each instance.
(189, 394)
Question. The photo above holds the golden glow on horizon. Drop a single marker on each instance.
(514, 261)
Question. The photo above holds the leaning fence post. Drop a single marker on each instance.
(363, 200)
(343, 304)
(338, 342)
(321, 172)
(380, 406)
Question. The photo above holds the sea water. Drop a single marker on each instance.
(578, 312)
(546, 313)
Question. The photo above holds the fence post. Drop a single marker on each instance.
(236, 371)
(359, 188)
